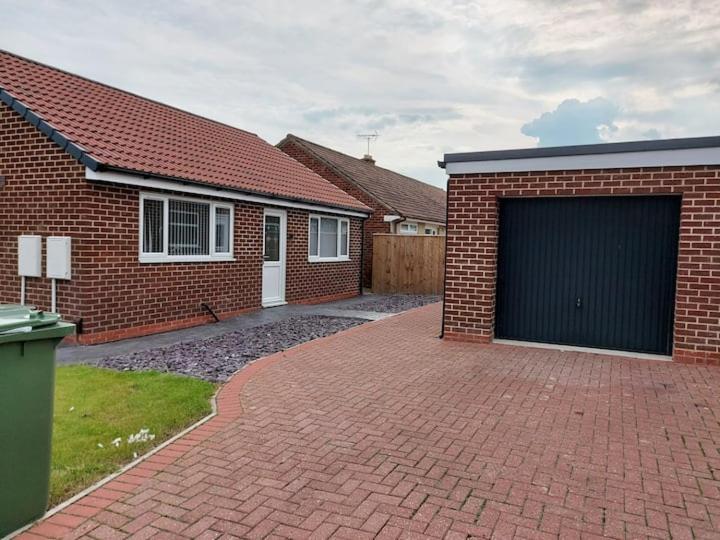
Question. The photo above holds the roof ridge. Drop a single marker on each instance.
(301, 140)
(116, 89)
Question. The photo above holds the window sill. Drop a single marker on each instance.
(201, 259)
(327, 259)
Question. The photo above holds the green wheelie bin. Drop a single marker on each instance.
(27, 382)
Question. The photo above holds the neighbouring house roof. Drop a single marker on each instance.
(403, 195)
(110, 129)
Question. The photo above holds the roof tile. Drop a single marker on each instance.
(407, 196)
(125, 131)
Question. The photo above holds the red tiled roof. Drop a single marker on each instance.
(120, 130)
(407, 196)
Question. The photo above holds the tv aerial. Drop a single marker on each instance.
(369, 137)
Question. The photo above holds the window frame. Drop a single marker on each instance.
(317, 258)
(409, 224)
(163, 257)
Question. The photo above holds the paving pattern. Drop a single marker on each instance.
(386, 431)
(394, 303)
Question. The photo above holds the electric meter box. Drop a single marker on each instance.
(58, 257)
(30, 255)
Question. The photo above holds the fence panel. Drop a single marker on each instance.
(408, 264)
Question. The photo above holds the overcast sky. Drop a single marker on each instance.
(431, 76)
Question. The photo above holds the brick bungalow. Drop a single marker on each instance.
(401, 205)
(168, 212)
(612, 246)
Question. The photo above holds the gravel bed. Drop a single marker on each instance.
(395, 303)
(215, 359)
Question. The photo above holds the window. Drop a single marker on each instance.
(408, 228)
(189, 228)
(431, 231)
(153, 226)
(272, 238)
(328, 239)
(174, 229)
(223, 229)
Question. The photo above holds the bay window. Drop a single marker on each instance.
(328, 239)
(177, 229)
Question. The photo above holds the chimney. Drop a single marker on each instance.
(369, 159)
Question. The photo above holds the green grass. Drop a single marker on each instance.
(95, 406)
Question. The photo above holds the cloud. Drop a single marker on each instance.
(574, 122)
(372, 119)
(651, 133)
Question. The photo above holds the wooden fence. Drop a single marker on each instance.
(408, 264)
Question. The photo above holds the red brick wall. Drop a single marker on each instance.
(43, 194)
(373, 225)
(115, 295)
(314, 281)
(473, 234)
(124, 295)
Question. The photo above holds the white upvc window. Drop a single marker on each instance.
(328, 239)
(181, 229)
(408, 228)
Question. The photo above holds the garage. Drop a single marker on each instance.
(614, 247)
(588, 271)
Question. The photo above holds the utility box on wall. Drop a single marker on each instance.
(30, 255)
(58, 257)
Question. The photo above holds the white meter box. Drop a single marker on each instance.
(58, 257)
(30, 255)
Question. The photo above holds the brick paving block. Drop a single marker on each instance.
(386, 430)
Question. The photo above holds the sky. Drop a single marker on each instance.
(429, 76)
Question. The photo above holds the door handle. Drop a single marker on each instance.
(578, 302)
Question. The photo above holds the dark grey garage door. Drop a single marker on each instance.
(590, 271)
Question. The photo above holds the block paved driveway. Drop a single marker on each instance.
(386, 431)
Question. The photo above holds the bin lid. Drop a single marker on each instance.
(17, 320)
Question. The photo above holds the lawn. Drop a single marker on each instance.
(97, 410)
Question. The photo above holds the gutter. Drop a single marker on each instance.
(398, 222)
(195, 188)
(447, 241)
(362, 257)
(185, 181)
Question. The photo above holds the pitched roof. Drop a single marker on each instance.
(406, 196)
(107, 128)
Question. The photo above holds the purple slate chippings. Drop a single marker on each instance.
(395, 303)
(216, 358)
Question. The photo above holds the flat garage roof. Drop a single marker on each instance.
(657, 153)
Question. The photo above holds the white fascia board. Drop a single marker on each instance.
(426, 222)
(617, 160)
(113, 177)
(392, 218)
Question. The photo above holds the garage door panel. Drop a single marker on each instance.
(596, 272)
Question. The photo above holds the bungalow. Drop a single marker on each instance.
(606, 246)
(401, 205)
(172, 217)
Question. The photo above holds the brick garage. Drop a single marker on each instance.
(479, 183)
(51, 189)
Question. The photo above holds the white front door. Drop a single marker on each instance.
(273, 277)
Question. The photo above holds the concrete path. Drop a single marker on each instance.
(385, 431)
(91, 354)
